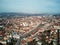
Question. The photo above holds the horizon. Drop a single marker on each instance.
(29, 13)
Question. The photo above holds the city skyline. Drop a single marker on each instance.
(30, 6)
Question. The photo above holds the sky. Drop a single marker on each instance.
(30, 6)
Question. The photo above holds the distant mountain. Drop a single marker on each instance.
(9, 15)
(56, 15)
(13, 14)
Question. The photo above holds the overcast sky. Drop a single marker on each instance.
(30, 6)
